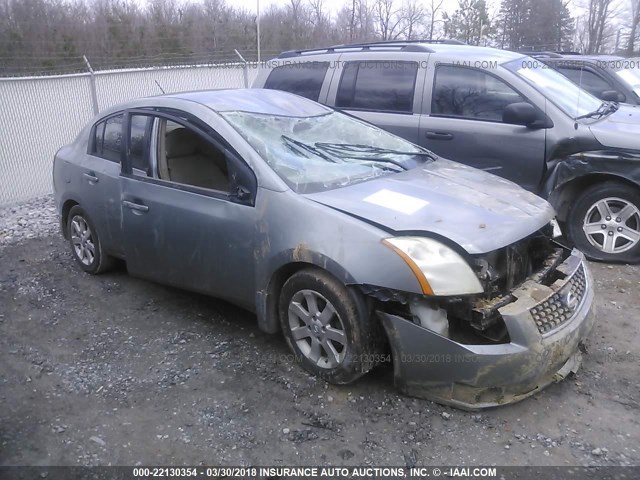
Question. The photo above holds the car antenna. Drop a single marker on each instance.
(161, 89)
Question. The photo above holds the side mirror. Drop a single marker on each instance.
(521, 113)
(243, 180)
(612, 96)
(242, 193)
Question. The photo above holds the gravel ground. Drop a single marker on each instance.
(112, 370)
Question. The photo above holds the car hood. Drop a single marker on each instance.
(477, 210)
(621, 129)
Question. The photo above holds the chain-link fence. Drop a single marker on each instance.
(38, 115)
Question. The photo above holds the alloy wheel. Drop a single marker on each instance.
(612, 225)
(82, 240)
(317, 329)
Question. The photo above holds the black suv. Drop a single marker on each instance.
(500, 111)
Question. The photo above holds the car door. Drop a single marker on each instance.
(188, 209)
(462, 121)
(99, 180)
(381, 91)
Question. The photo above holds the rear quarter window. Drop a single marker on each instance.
(304, 79)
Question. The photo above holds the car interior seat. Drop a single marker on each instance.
(191, 160)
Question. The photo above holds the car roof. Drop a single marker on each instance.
(472, 51)
(252, 100)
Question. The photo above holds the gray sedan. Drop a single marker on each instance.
(360, 247)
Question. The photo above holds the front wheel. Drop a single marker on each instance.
(327, 326)
(605, 222)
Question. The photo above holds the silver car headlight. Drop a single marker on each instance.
(439, 269)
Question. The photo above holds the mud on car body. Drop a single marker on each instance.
(348, 239)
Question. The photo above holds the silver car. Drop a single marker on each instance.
(361, 247)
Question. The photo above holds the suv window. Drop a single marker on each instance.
(378, 85)
(591, 82)
(470, 93)
(107, 141)
(304, 79)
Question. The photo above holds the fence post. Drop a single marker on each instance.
(245, 69)
(92, 86)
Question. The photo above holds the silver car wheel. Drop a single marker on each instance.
(612, 225)
(82, 240)
(317, 329)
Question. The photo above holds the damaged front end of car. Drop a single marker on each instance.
(478, 350)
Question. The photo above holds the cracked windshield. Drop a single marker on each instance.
(319, 153)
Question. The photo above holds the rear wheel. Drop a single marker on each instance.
(605, 222)
(328, 326)
(86, 247)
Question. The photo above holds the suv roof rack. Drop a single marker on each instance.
(404, 45)
(542, 54)
(558, 54)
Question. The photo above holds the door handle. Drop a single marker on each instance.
(91, 177)
(135, 206)
(439, 136)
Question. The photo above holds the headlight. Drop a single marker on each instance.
(439, 269)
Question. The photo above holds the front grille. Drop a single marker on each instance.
(560, 307)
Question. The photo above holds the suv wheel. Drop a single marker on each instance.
(605, 222)
(327, 326)
(86, 247)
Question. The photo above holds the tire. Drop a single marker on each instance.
(85, 243)
(605, 222)
(314, 308)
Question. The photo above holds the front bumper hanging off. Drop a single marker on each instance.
(545, 323)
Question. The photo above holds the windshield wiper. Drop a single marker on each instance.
(308, 148)
(369, 153)
(605, 109)
(361, 148)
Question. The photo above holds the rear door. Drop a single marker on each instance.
(188, 209)
(99, 180)
(462, 121)
(387, 93)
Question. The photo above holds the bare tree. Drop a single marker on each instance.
(388, 19)
(412, 17)
(598, 18)
(435, 8)
(635, 20)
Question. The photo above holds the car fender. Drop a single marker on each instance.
(348, 248)
(570, 175)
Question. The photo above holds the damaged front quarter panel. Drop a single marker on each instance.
(474, 376)
(622, 164)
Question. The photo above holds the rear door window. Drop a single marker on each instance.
(107, 139)
(304, 79)
(470, 93)
(387, 86)
(138, 150)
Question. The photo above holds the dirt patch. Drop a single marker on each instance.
(115, 370)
